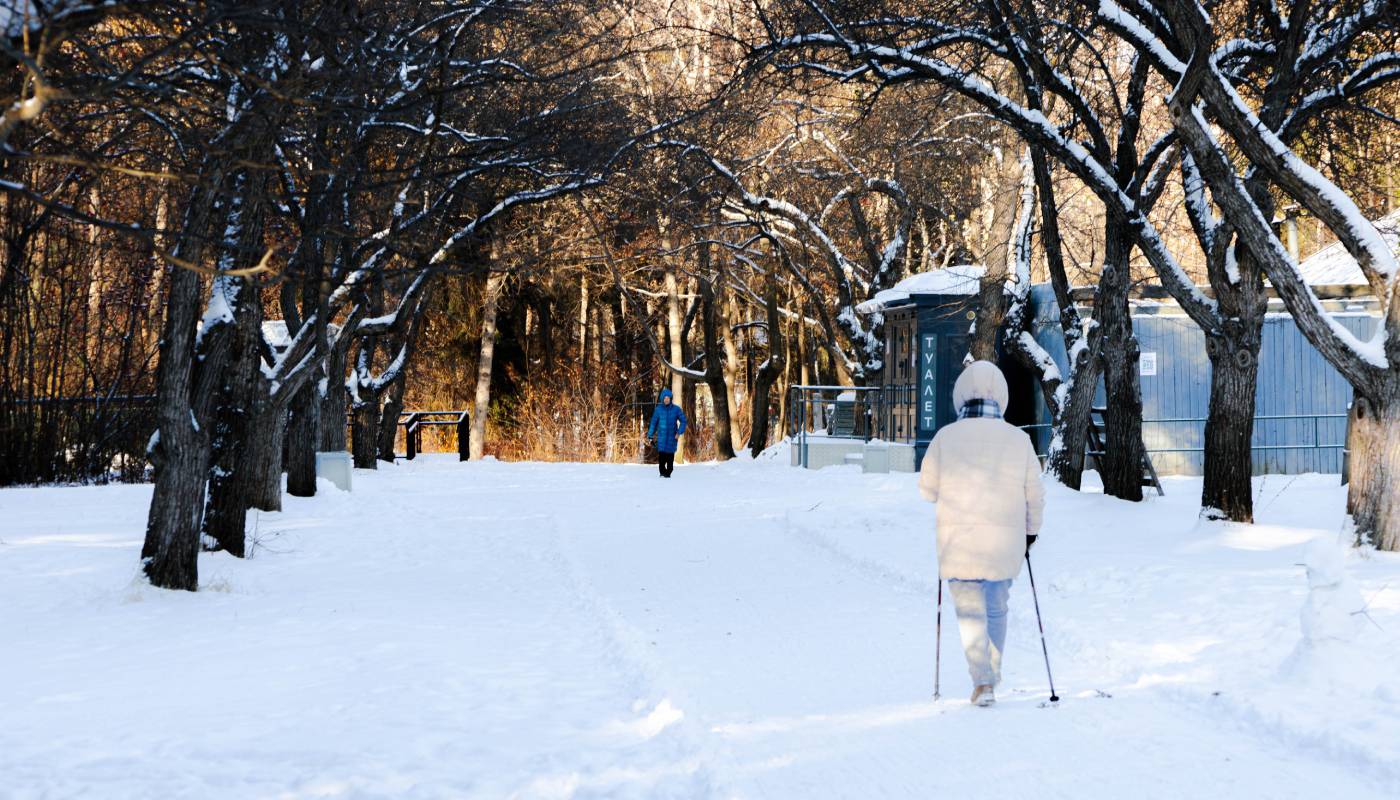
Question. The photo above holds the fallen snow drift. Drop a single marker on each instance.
(741, 630)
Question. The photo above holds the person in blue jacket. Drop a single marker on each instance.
(667, 424)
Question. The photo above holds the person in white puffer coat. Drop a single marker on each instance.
(984, 476)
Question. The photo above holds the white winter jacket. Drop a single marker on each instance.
(985, 477)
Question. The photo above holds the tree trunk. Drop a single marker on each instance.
(227, 499)
(690, 444)
(716, 368)
(364, 439)
(389, 418)
(784, 384)
(186, 383)
(731, 370)
(482, 398)
(1120, 466)
(583, 309)
(1234, 372)
(334, 416)
(170, 554)
(767, 374)
(303, 435)
(623, 340)
(1373, 495)
(1000, 194)
(547, 333)
(233, 475)
(266, 439)
(595, 350)
(1070, 429)
(676, 353)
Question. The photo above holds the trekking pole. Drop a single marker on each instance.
(938, 641)
(1054, 698)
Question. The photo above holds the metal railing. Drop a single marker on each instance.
(1317, 443)
(414, 422)
(96, 438)
(887, 413)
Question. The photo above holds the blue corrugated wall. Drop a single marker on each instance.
(1294, 379)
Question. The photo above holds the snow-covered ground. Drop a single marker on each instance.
(742, 630)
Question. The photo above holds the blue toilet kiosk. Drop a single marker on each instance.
(928, 318)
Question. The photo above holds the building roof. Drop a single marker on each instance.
(961, 279)
(1334, 266)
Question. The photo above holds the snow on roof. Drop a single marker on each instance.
(1334, 266)
(961, 279)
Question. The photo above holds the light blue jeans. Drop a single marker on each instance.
(981, 607)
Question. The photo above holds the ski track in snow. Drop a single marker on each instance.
(743, 630)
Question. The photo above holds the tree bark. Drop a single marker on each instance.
(486, 355)
(1120, 466)
(1070, 426)
(335, 402)
(1070, 431)
(673, 328)
(731, 370)
(186, 384)
(364, 439)
(767, 373)
(1374, 491)
(1001, 211)
(303, 435)
(267, 436)
(546, 322)
(233, 474)
(170, 554)
(624, 340)
(716, 367)
(584, 306)
(389, 418)
(1234, 374)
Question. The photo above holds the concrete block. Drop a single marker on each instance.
(335, 467)
(830, 452)
(901, 457)
(876, 457)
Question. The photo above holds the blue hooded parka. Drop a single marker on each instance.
(667, 423)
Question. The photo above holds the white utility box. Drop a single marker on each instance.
(335, 467)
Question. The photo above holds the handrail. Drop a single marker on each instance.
(816, 387)
(403, 414)
(887, 412)
(414, 422)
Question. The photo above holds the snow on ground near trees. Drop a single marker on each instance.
(742, 630)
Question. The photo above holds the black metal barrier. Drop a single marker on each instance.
(414, 422)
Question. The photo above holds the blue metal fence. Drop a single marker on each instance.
(1300, 407)
(1319, 437)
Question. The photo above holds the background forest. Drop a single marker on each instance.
(265, 229)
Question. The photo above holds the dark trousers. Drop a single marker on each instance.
(666, 462)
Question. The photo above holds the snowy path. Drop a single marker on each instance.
(745, 630)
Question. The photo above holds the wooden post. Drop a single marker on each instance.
(464, 436)
(1346, 450)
